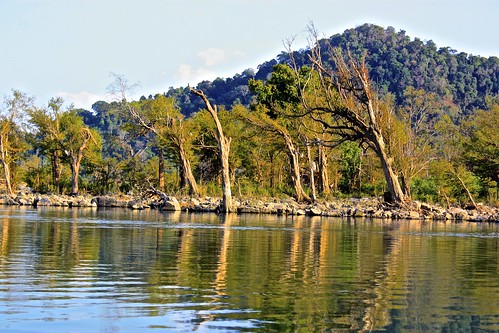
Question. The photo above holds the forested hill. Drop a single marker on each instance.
(395, 62)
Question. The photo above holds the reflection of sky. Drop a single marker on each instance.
(80, 269)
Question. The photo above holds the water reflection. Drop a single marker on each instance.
(119, 270)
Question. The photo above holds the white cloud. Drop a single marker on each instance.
(212, 56)
(186, 74)
(212, 59)
(81, 99)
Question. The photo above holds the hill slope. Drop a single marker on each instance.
(395, 62)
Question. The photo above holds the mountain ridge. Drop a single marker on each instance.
(395, 62)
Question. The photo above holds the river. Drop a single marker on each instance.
(118, 270)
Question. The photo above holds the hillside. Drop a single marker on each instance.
(395, 62)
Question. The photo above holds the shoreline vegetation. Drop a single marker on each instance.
(352, 207)
(355, 115)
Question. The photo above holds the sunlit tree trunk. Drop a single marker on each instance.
(186, 175)
(56, 170)
(75, 158)
(4, 156)
(75, 171)
(312, 176)
(161, 170)
(5, 163)
(393, 184)
(295, 168)
(223, 151)
(323, 171)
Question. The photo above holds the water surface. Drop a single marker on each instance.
(117, 270)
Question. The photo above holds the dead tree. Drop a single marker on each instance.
(223, 152)
(350, 109)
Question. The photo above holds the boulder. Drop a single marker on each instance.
(44, 201)
(171, 204)
(457, 213)
(248, 209)
(314, 211)
(300, 212)
(105, 201)
(413, 215)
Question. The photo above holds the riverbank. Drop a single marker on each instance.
(358, 208)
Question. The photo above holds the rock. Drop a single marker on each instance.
(194, 202)
(248, 209)
(300, 212)
(280, 209)
(357, 213)
(314, 211)
(171, 204)
(457, 213)
(413, 215)
(426, 207)
(43, 201)
(105, 201)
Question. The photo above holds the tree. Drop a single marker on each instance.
(161, 117)
(481, 144)
(223, 152)
(408, 131)
(47, 123)
(279, 99)
(454, 180)
(11, 141)
(347, 106)
(76, 142)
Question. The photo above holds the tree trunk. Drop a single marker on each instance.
(224, 146)
(75, 170)
(223, 151)
(6, 171)
(312, 176)
(186, 175)
(396, 193)
(323, 174)
(5, 164)
(405, 183)
(56, 171)
(468, 193)
(294, 161)
(161, 170)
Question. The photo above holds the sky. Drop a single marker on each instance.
(71, 48)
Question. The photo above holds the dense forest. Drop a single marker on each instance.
(369, 112)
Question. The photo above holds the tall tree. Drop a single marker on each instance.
(279, 96)
(223, 151)
(481, 144)
(11, 142)
(47, 135)
(76, 141)
(161, 117)
(347, 106)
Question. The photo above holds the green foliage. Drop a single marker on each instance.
(350, 167)
(425, 189)
(481, 143)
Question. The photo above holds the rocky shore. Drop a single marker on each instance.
(358, 208)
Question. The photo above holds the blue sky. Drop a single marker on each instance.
(68, 48)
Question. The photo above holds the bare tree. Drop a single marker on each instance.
(223, 151)
(344, 102)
